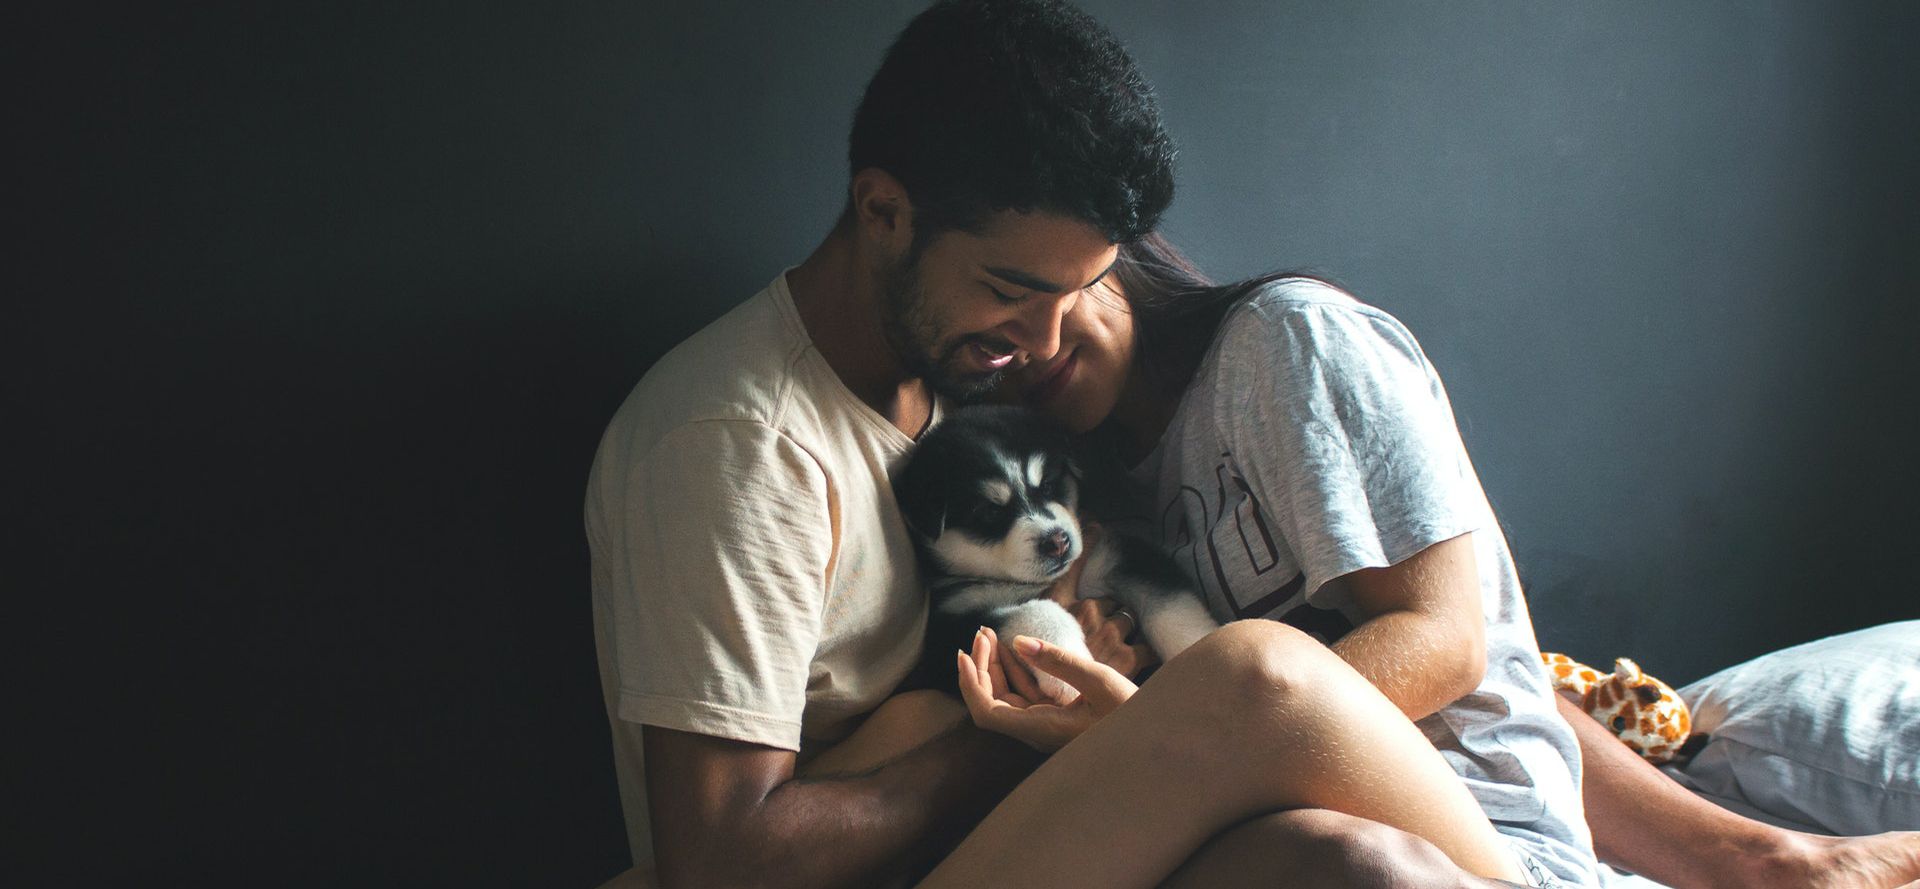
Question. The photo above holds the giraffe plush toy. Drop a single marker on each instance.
(1644, 712)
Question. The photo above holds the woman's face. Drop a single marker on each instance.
(1081, 384)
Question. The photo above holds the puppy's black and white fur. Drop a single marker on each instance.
(990, 495)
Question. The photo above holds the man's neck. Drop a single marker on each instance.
(838, 299)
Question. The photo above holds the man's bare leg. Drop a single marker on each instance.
(900, 724)
(1256, 718)
(1317, 848)
(1647, 823)
(631, 878)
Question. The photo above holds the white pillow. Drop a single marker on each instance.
(1825, 734)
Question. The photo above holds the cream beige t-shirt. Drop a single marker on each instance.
(752, 576)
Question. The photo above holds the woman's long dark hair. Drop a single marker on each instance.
(1177, 309)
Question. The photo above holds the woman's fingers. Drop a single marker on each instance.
(1104, 686)
(982, 653)
(1015, 718)
(1043, 726)
(973, 688)
(1016, 678)
(977, 691)
(989, 663)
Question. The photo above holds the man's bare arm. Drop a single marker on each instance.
(729, 813)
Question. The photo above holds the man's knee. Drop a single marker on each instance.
(920, 707)
(634, 878)
(1345, 850)
(900, 724)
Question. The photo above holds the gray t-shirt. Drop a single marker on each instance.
(1316, 440)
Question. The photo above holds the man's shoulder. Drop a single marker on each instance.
(741, 367)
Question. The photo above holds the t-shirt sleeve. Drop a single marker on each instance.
(728, 536)
(1333, 416)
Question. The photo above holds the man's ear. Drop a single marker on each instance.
(882, 211)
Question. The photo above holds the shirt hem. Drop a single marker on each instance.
(707, 718)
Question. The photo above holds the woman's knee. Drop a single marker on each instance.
(1259, 657)
(1253, 680)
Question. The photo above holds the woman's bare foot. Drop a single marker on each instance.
(1880, 861)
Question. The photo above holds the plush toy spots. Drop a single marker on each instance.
(1569, 674)
(1644, 712)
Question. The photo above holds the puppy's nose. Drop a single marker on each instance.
(1054, 545)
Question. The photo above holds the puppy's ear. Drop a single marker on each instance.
(922, 497)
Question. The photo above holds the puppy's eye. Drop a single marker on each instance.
(1050, 481)
(986, 512)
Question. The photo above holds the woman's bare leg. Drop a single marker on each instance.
(1256, 718)
(1318, 848)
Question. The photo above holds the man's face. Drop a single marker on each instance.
(972, 305)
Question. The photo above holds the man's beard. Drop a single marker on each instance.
(914, 335)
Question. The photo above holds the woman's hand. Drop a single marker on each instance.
(1041, 725)
(1107, 629)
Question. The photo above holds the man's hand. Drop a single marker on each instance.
(1107, 637)
(1043, 726)
(732, 813)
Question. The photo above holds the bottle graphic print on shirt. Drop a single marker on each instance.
(1237, 559)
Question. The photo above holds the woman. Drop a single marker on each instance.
(1303, 463)
(1218, 431)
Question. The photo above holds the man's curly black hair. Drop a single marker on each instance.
(982, 106)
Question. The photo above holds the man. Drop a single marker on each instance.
(755, 589)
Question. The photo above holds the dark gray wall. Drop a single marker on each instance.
(329, 306)
(1657, 251)
(1661, 254)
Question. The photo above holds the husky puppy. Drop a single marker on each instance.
(990, 496)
